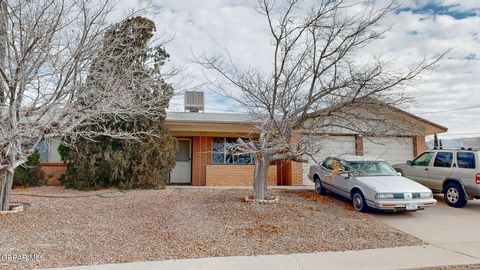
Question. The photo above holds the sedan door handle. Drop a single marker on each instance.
(426, 169)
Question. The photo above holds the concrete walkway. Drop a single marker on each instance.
(388, 258)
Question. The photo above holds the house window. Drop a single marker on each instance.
(48, 150)
(43, 150)
(221, 152)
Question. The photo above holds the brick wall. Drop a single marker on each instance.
(235, 175)
(358, 145)
(204, 173)
(201, 157)
(53, 171)
(297, 174)
(289, 173)
(283, 172)
(419, 145)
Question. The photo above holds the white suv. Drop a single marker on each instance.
(455, 173)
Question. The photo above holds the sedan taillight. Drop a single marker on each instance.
(477, 179)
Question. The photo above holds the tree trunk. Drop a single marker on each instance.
(6, 182)
(3, 47)
(261, 177)
(6, 179)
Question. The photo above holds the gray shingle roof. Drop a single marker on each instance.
(190, 117)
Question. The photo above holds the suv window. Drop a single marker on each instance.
(466, 160)
(423, 159)
(443, 159)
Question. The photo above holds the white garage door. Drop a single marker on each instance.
(331, 146)
(392, 149)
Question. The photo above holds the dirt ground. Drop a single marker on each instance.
(179, 223)
(455, 267)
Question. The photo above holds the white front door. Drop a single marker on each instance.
(182, 172)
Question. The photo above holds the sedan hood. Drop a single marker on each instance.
(392, 184)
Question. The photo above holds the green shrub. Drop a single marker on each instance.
(117, 163)
(105, 162)
(30, 174)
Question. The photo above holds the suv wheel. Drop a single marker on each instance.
(454, 195)
(318, 186)
(358, 202)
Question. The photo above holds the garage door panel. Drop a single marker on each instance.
(392, 149)
(331, 146)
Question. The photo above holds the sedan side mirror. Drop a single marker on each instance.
(345, 175)
(409, 162)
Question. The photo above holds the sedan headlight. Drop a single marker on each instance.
(385, 196)
(426, 195)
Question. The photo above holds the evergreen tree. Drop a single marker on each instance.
(30, 174)
(107, 161)
(435, 141)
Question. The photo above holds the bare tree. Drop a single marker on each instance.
(48, 88)
(316, 83)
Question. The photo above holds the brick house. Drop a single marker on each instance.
(203, 159)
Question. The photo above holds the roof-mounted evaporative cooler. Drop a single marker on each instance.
(194, 101)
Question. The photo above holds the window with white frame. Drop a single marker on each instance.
(221, 152)
(48, 150)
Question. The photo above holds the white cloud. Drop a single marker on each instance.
(216, 25)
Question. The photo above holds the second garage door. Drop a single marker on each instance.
(330, 146)
(392, 149)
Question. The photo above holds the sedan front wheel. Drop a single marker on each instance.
(358, 202)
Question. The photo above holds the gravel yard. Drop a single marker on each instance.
(182, 223)
(455, 267)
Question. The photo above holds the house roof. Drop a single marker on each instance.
(210, 118)
(431, 127)
(230, 121)
(212, 124)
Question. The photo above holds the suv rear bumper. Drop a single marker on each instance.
(473, 191)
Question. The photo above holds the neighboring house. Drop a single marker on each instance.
(203, 159)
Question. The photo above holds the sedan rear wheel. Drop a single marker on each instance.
(318, 186)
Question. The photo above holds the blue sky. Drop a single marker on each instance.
(418, 28)
(436, 8)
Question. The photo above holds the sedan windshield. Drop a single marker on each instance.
(370, 168)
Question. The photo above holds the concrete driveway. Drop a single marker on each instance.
(456, 229)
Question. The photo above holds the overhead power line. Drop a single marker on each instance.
(451, 110)
(457, 134)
